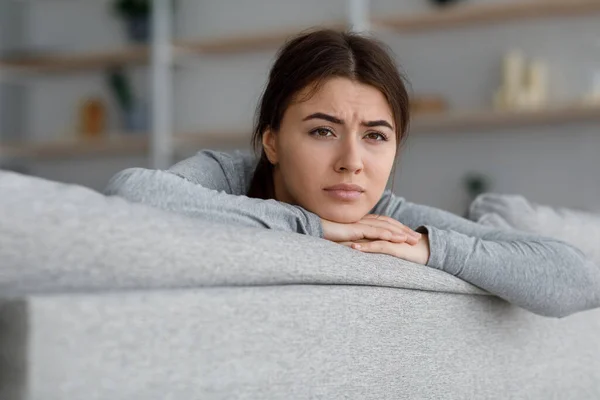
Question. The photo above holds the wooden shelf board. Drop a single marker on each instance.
(74, 62)
(133, 144)
(490, 120)
(121, 145)
(464, 14)
(245, 43)
(138, 144)
(134, 55)
(453, 16)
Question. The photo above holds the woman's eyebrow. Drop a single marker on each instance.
(326, 117)
(335, 120)
(380, 122)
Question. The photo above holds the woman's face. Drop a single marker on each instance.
(334, 151)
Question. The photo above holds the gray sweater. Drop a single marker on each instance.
(543, 275)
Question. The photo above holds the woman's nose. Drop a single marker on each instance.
(349, 158)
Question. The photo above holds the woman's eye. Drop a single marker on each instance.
(322, 132)
(377, 136)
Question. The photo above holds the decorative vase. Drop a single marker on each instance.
(138, 28)
(444, 3)
(136, 119)
(92, 117)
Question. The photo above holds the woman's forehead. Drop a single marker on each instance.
(343, 95)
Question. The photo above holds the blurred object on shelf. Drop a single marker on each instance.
(512, 73)
(136, 119)
(444, 3)
(535, 95)
(121, 87)
(524, 84)
(92, 118)
(425, 104)
(136, 14)
(593, 97)
(134, 112)
(474, 184)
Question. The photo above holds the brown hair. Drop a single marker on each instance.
(310, 59)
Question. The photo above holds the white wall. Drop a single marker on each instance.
(12, 29)
(552, 164)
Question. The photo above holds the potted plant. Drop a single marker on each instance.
(136, 14)
(475, 183)
(134, 112)
(443, 3)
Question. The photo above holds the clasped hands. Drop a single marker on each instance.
(380, 234)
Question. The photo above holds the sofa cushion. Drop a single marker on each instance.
(56, 237)
(579, 228)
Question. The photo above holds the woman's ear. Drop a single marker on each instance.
(269, 142)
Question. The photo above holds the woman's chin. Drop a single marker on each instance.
(341, 215)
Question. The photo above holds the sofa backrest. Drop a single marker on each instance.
(58, 238)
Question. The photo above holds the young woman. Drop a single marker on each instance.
(329, 127)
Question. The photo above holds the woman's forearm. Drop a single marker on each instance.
(170, 192)
(545, 276)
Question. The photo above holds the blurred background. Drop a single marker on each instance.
(506, 94)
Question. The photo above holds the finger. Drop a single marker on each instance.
(378, 233)
(412, 240)
(401, 232)
(358, 243)
(353, 245)
(376, 246)
(391, 221)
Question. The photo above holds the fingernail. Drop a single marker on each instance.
(356, 246)
(415, 234)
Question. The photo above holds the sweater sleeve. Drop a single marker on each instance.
(543, 275)
(211, 186)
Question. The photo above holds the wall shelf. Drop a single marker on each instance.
(138, 144)
(494, 120)
(133, 144)
(138, 55)
(478, 14)
(246, 43)
(116, 145)
(452, 17)
(56, 63)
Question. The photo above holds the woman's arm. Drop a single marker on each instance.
(543, 275)
(211, 186)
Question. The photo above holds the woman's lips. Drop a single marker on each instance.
(345, 191)
(344, 194)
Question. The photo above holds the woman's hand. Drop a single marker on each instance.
(418, 253)
(371, 227)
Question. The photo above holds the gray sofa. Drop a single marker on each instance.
(104, 299)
